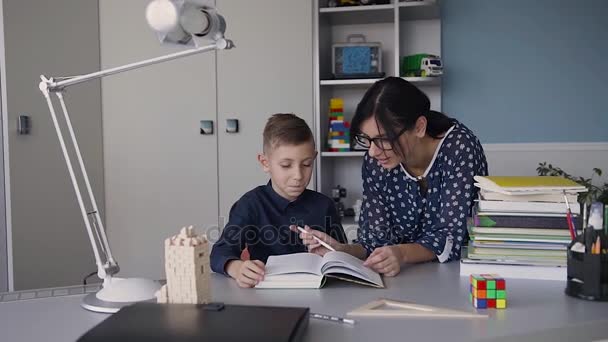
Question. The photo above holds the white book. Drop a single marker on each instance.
(520, 231)
(507, 270)
(528, 207)
(556, 198)
(548, 239)
(308, 270)
(519, 245)
(515, 213)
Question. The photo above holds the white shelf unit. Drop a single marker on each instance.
(422, 81)
(343, 154)
(403, 28)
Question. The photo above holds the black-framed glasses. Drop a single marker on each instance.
(383, 143)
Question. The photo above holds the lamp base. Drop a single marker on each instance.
(120, 292)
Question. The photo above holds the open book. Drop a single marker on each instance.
(308, 270)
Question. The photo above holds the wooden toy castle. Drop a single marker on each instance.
(187, 269)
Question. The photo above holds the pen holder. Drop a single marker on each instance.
(587, 273)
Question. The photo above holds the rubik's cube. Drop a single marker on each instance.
(488, 291)
(338, 138)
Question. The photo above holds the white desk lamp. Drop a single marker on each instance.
(184, 22)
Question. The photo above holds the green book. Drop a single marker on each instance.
(606, 219)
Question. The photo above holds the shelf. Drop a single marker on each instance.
(418, 10)
(350, 15)
(343, 154)
(359, 81)
(424, 80)
(369, 81)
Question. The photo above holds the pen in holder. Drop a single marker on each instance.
(588, 260)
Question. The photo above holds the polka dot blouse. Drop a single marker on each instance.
(398, 208)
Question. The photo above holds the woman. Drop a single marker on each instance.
(417, 180)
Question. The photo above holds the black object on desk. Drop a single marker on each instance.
(588, 271)
(189, 322)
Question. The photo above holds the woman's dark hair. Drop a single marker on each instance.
(396, 104)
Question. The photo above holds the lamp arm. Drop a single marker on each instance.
(106, 265)
(53, 85)
(104, 269)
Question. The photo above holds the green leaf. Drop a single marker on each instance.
(595, 193)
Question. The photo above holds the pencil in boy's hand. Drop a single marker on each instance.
(324, 244)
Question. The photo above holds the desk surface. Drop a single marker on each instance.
(532, 306)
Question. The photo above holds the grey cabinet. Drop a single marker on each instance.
(160, 172)
(56, 38)
(269, 72)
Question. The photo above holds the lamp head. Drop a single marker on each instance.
(185, 22)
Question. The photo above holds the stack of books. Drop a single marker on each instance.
(519, 227)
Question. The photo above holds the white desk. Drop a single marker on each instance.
(532, 306)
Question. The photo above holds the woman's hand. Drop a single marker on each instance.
(246, 273)
(314, 246)
(386, 260)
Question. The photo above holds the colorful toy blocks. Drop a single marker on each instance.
(488, 291)
(338, 138)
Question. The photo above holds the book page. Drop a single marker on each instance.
(291, 281)
(294, 263)
(340, 262)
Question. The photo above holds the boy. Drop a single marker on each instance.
(260, 220)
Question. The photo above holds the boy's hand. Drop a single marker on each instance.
(246, 273)
(386, 260)
(312, 244)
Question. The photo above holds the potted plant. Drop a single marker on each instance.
(595, 193)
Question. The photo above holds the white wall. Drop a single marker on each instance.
(577, 159)
(56, 38)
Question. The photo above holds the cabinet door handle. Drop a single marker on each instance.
(23, 124)
(206, 127)
(232, 125)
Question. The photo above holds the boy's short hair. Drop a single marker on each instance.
(286, 129)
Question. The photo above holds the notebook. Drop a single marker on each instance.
(511, 269)
(519, 231)
(191, 322)
(512, 185)
(527, 207)
(308, 270)
(520, 220)
(557, 197)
